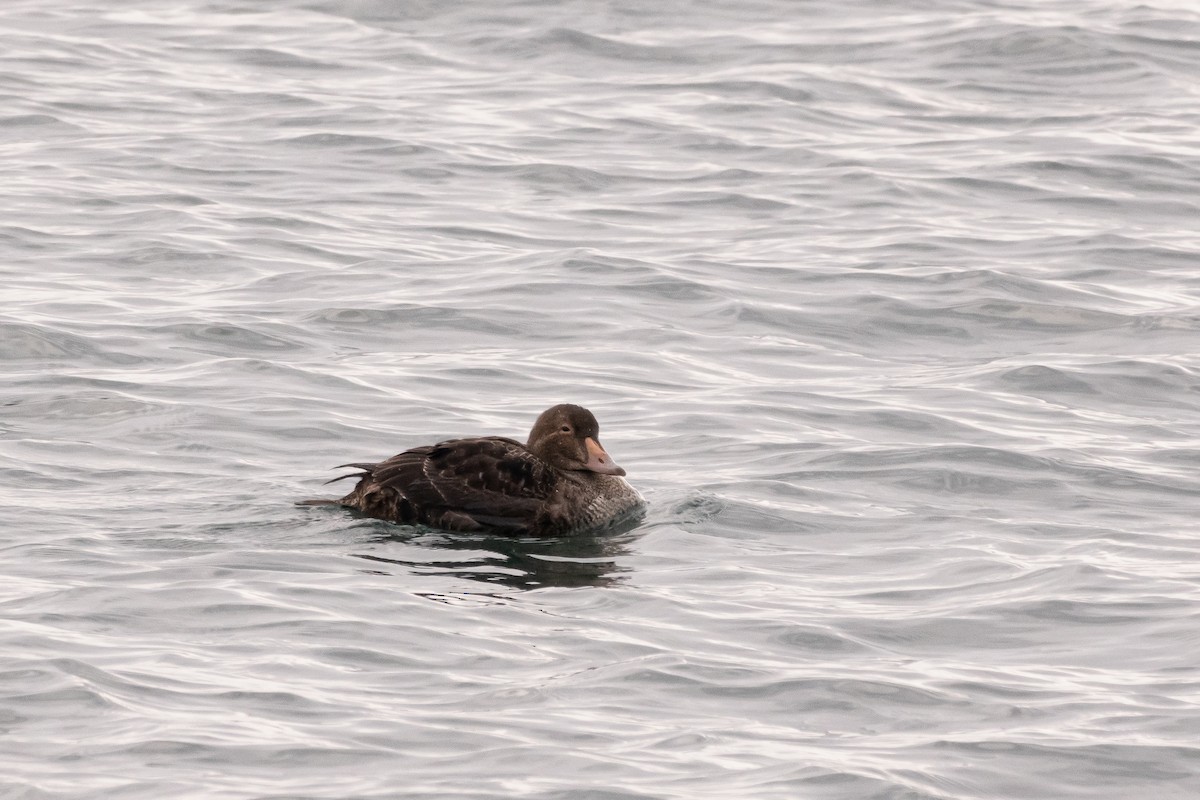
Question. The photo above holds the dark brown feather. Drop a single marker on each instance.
(461, 484)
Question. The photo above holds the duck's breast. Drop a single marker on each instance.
(602, 499)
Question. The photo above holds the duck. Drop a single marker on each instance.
(561, 480)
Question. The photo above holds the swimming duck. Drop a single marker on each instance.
(559, 481)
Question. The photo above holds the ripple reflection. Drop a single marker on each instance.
(582, 559)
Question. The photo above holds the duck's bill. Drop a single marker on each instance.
(600, 461)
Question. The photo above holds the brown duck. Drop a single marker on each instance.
(559, 481)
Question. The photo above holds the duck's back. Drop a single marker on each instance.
(487, 483)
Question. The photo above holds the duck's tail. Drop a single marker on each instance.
(366, 470)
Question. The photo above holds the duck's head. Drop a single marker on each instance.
(568, 437)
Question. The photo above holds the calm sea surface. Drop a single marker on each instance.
(890, 309)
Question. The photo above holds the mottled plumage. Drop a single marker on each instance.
(560, 480)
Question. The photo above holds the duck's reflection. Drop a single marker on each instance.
(581, 559)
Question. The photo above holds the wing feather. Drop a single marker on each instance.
(494, 481)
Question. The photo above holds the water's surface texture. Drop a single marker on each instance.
(890, 309)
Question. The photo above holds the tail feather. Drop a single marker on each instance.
(343, 477)
(367, 469)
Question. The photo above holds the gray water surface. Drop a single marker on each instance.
(889, 309)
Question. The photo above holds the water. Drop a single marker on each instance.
(890, 312)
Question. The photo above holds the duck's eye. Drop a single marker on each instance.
(566, 428)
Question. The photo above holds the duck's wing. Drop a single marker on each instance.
(489, 482)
